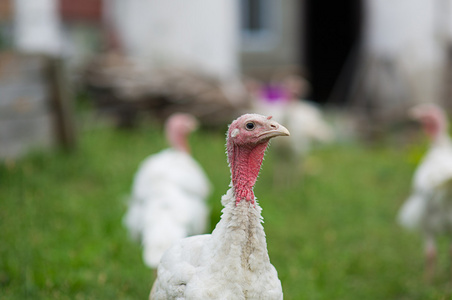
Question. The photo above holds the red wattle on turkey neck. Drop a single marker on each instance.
(245, 164)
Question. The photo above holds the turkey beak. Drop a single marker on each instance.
(275, 129)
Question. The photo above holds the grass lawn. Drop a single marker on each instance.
(331, 232)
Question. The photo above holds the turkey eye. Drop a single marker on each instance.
(249, 126)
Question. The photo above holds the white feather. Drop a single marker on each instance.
(429, 208)
(411, 213)
(168, 202)
(230, 263)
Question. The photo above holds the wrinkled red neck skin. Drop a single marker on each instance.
(245, 163)
(178, 140)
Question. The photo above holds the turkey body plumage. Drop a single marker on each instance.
(168, 202)
(429, 208)
(219, 265)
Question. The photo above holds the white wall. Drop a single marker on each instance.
(445, 14)
(37, 27)
(200, 34)
(395, 26)
(412, 33)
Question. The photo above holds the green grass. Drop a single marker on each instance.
(331, 231)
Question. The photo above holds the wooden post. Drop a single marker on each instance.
(62, 105)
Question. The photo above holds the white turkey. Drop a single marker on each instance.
(429, 208)
(232, 262)
(169, 194)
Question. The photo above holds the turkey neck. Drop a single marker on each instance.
(239, 239)
(240, 235)
(435, 125)
(245, 163)
(440, 141)
(178, 141)
(437, 133)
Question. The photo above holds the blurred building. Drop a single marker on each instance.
(375, 52)
(331, 44)
(378, 56)
(405, 56)
(315, 38)
(197, 34)
(34, 103)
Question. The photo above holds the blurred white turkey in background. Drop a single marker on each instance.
(169, 194)
(429, 208)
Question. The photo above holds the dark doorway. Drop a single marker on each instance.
(332, 31)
